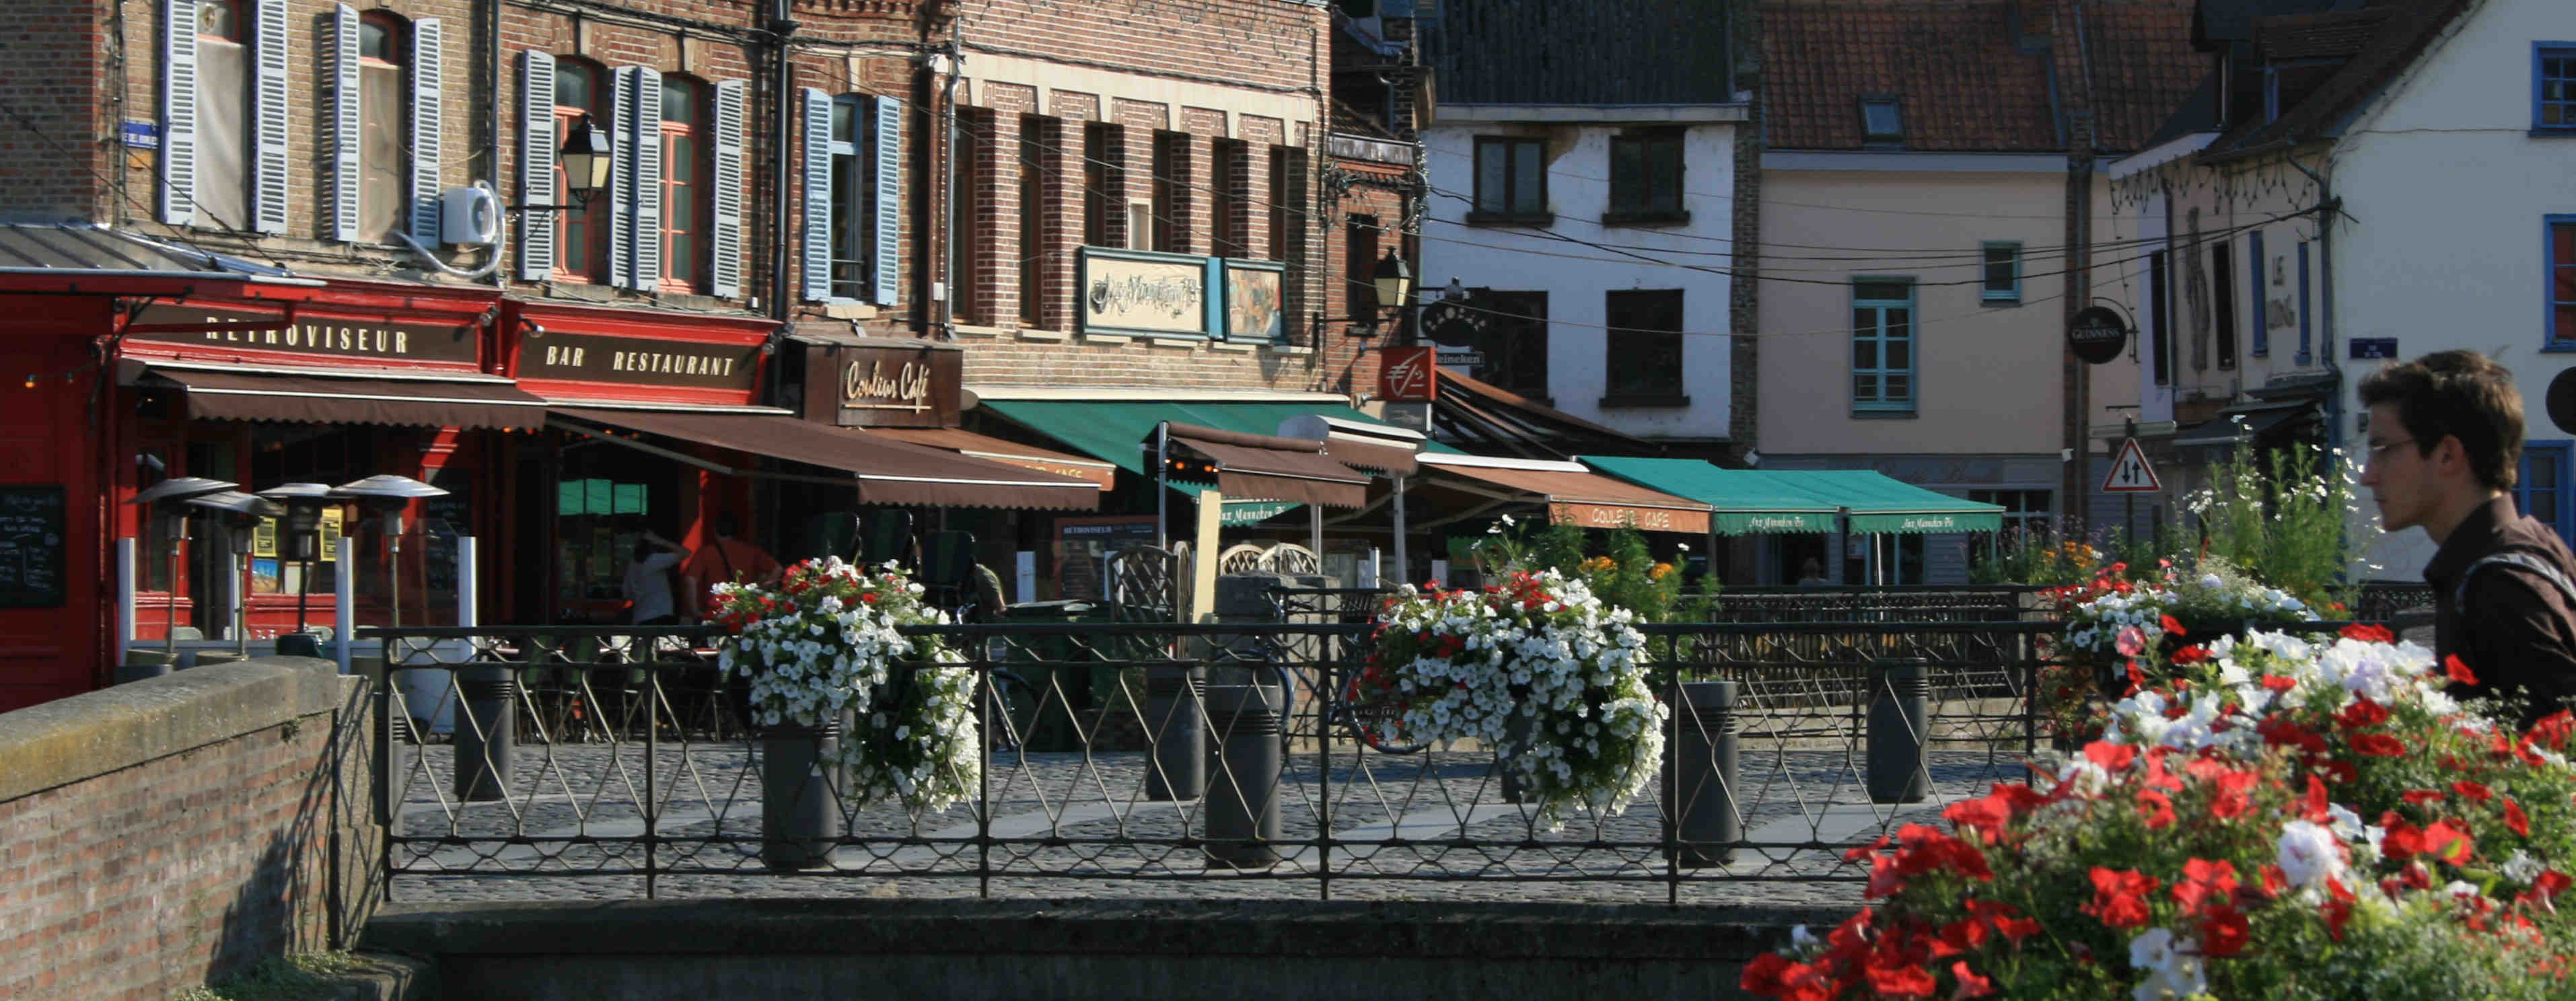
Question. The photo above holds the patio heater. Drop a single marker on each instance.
(168, 503)
(301, 541)
(390, 495)
(240, 514)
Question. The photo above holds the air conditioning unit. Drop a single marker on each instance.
(469, 217)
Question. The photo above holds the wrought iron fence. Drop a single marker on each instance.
(1130, 757)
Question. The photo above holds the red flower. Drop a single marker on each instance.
(2235, 795)
(1769, 975)
(2191, 655)
(2278, 683)
(2275, 882)
(2157, 808)
(2472, 790)
(2224, 932)
(2172, 628)
(2120, 898)
(2514, 819)
(2421, 797)
(2554, 729)
(2112, 757)
(1901, 980)
(2313, 807)
(2337, 913)
(2458, 671)
(2362, 712)
(1970, 984)
(2449, 842)
(2202, 882)
(2369, 633)
(2378, 745)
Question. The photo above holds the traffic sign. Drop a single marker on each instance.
(2130, 473)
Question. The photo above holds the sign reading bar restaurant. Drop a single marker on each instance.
(648, 361)
(224, 333)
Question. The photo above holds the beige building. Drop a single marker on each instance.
(1930, 220)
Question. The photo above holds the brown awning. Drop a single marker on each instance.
(1591, 499)
(886, 471)
(1267, 467)
(1391, 458)
(319, 399)
(1014, 453)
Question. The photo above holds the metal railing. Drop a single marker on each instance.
(1154, 755)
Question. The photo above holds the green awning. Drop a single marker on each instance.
(1743, 500)
(1879, 503)
(1110, 429)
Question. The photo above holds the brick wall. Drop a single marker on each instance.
(52, 162)
(161, 834)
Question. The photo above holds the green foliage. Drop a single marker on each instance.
(1623, 571)
(2286, 515)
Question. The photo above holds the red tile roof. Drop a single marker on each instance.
(1963, 81)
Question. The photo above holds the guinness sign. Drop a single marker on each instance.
(2097, 334)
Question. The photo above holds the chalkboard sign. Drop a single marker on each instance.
(31, 546)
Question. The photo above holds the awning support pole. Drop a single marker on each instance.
(1163, 486)
(1403, 568)
(1315, 531)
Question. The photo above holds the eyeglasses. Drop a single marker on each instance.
(2380, 451)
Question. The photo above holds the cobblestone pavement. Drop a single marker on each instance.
(1423, 826)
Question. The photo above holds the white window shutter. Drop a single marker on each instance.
(537, 142)
(621, 196)
(271, 117)
(645, 243)
(344, 123)
(888, 138)
(818, 195)
(428, 101)
(726, 242)
(178, 111)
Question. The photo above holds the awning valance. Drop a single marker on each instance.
(964, 442)
(370, 399)
(1573, 494)
(1879, 503)
(1116, 431)
(1741, 500)
(885, 471)
(1269, 467)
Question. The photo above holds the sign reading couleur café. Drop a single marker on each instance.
(884, 383)
(639, 361)
(218, 331)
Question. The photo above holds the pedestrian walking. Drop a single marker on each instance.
(648, 580)
(2444, 449)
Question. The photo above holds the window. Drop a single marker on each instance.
(685, 222)
(2553, 88)
(1171, 192)
(849, 175)
(2159, 328)
(2222, 263)
(2026, 521)
(1104, 185)
(1229, 203)
(1038, 137)
(222, 185)
(1646, 177)
(1511, 180)
(853, 181)
(384, 186)
(969, 175)
(1881, 120)
(1883, 345)
(2562, 281)
(2262, 294)
(580, 89)
(2003, 273)
(1644, 345)
(1514, 342)
(2543, 490)
(1288, 199)
(1359, 268)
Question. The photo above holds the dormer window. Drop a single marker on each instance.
(1880, 119)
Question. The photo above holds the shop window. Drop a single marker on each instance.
(1646, 177)
(384, 181)
(685, 220)
(1883, 346)
(581, 88)
(1511, 180)
(305, 453)
(2026, 521)
(154, 463)
(1644, 348)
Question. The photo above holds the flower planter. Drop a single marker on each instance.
(800, 802)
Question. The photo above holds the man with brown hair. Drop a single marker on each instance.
(2444, 448)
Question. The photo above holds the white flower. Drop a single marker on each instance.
(2309, 854)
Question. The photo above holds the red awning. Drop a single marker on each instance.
(372, 399)
(886, 471)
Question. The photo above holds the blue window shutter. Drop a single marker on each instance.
(537, 143)
(726, 245)
(644, 242)
(428, 105)
(817, 285)
(2262, 294)
(178, 112)
(621, 193)
(884, 257)
(270, 117)
(344, 123)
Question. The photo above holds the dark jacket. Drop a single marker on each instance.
(2516, 628)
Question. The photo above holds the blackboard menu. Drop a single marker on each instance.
(31, 546)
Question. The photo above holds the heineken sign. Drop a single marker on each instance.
(2097, 334)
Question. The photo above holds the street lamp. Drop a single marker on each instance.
(168, 502)
(1394, 281)
(301, 537)
(240, 514)
(586, 161)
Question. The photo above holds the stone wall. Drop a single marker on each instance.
(161, 834)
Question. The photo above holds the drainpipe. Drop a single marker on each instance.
(782, 27)
(944, 222)
(492, 149)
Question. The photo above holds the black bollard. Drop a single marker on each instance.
(487, 731)
(1516, 738)
(1178, 730)
(299, 644)
(1700, 759)
(800, 802)
(1245, 764)
(1900, 708)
